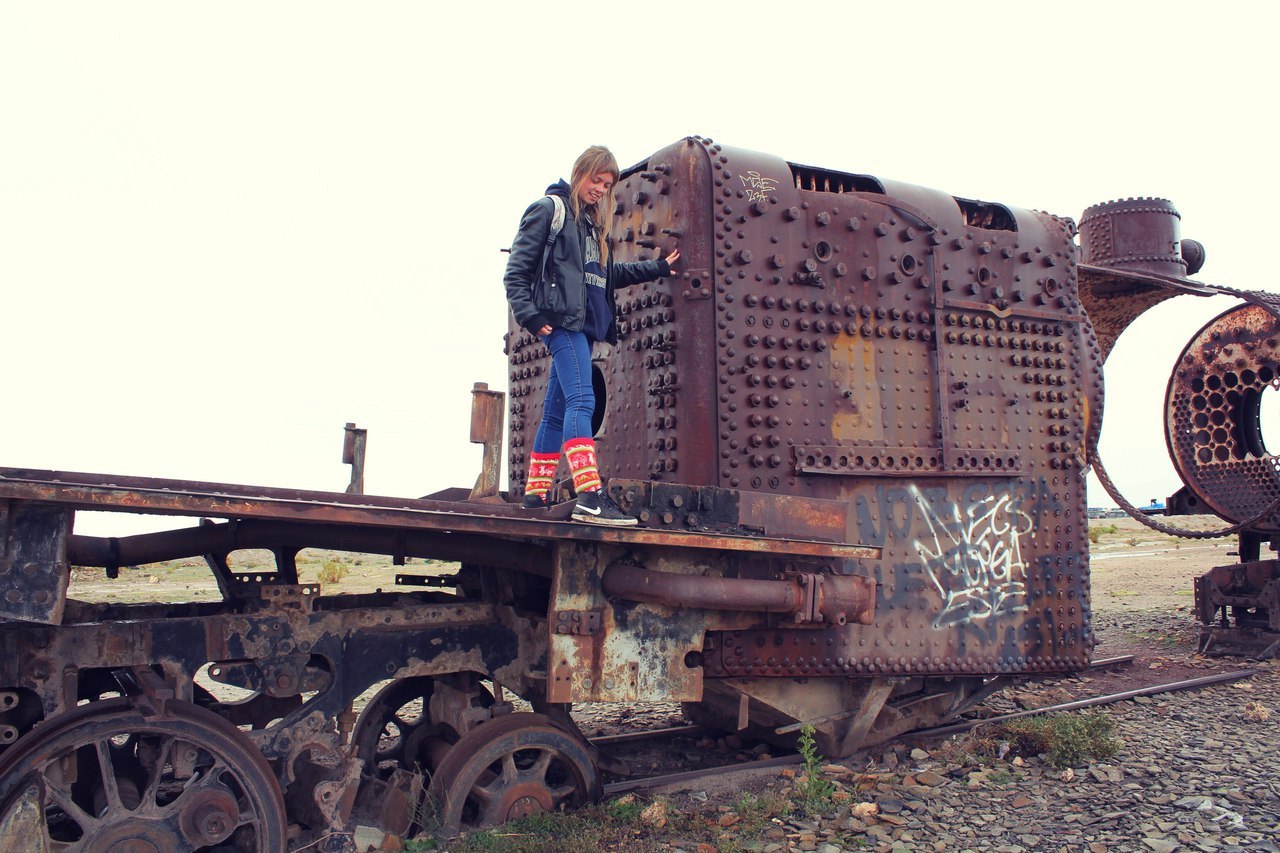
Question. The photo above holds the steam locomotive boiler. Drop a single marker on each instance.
(855, 428)
(875, 364)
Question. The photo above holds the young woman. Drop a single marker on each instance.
(563, 293)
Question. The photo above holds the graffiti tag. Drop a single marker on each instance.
(759, 188)
(974, 557)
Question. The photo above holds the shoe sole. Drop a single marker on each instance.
(609, 522)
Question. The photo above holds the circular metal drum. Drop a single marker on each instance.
(1213, 407)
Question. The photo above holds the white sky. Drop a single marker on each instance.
(227, 229)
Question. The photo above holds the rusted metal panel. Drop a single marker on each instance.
(34, 571)
(789, 516)
(676, 506)
(635, 653)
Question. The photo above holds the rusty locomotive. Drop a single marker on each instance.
(855, 427)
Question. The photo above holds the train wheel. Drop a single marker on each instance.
(510, 767)
(113, 780)
(395, 729)
(393, 726)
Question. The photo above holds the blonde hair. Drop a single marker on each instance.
(590, 163)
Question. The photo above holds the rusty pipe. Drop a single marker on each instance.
(636, 583)
(809, 597)
(230, 536)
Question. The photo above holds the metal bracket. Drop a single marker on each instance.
(286, 596)
(486, 428)
(696, 284)
(146, 689)
(585, 622)
(34, 571)
(434, 581)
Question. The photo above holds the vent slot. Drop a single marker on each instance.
(638, 167)
(827, 181)
(986, 214)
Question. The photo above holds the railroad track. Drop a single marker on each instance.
(657, 781)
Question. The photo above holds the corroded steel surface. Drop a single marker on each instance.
(1134, 235)
(1213, 404)
(923, 359)
(1251, 590)
(33, 561)
(620, 654)
(1130, 260)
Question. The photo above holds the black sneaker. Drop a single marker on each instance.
(598, 508)
(541, 501)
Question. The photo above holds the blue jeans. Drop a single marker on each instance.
(570, 401)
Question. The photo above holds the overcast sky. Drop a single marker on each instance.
(227, 229)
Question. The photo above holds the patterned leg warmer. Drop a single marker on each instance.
(582, 463)
(542, 470)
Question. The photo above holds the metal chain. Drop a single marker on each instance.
(1096, 461)
(1271, 303)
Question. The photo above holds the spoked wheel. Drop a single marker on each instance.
(115, 781)
(510, 767)
(395, 729)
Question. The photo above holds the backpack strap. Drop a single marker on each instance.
(557, 218)
(557, 224)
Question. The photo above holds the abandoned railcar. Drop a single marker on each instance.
(855, 428)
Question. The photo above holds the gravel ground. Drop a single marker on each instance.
(1196, 770)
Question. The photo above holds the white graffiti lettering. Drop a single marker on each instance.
(760, 188)
(974, 557)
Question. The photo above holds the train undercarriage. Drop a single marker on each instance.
(233, 725)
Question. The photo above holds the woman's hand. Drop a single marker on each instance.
(544, 331)
(672, 258)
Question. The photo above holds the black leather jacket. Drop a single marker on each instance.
(559, 297)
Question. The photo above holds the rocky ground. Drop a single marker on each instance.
(1197, 770)
(1194, 771)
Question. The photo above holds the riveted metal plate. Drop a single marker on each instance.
(920, 358)
(34, 572)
